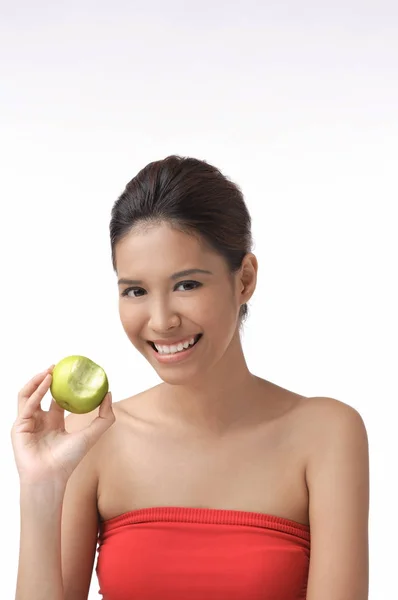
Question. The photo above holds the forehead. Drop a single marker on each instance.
(162, 248)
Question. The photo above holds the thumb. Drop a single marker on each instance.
(104, 420)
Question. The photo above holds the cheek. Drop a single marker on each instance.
(129, 317)
(219, 313)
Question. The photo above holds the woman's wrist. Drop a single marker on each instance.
(37, 495)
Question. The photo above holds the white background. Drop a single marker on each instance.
(297, 103)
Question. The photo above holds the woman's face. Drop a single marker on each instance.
(156, 303)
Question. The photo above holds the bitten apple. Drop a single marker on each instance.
(78, 384)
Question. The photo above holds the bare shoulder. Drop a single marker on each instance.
(329, 426)
(320, 414)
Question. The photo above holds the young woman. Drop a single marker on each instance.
(215, 484)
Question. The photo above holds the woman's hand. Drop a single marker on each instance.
(44, 451)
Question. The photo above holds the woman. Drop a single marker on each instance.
(216, 483)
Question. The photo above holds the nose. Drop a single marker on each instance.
(162, 317)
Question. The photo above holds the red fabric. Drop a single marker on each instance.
(179, 553)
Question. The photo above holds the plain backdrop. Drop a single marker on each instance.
(297, 103)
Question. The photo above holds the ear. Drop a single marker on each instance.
(247, 277)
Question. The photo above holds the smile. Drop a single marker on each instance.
(176, 355)
(176, 348)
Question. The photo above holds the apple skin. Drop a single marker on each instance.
(78, 384)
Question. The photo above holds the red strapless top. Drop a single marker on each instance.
(180, 553)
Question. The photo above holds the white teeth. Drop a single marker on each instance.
(174, 349)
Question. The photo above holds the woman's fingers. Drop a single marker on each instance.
(31, 405)
(32, 385)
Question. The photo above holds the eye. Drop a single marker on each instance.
(194, 284)
(127, 291)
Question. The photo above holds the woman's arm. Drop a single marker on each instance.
(39, 570)
(338, 483)
(59, 527)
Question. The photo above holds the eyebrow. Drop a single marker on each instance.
(124, 281)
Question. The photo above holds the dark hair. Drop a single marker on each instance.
(192, 196)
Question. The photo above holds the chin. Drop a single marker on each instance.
(185, 376)
(175, 376)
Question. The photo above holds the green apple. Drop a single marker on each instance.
(78, 384)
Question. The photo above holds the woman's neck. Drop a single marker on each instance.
(214, 400)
